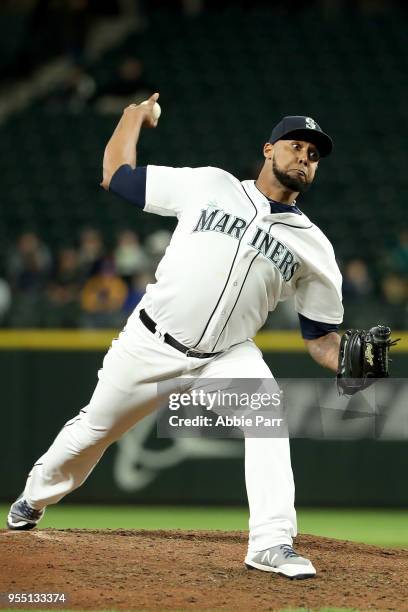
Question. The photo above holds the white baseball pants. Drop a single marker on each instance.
(127, 391)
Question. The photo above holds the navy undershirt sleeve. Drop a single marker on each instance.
(130, 184)
(315, 329)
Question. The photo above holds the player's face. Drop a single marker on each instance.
(294, 163)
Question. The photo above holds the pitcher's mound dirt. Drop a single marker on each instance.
(181, 570)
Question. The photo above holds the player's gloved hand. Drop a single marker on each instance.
(363, 357)
(145, 111)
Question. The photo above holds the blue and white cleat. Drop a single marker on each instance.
(281, 559)
(22, 516)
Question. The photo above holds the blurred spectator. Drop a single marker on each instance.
(284, 316)
(357, 282)
(156, 245)
(102, 298)
(5, 299)
(89, 289)
(28, 269)
(398, 258)
(129, 256)
(75, 92)
(28, 264)
(66, 280)
(136, 292)
(395, 289)
(63, 291)
(91, 252)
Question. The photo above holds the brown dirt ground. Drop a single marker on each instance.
(182, 570)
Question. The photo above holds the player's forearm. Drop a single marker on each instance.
(121, 148)
(325, 350)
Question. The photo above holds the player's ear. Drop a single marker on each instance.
(268, 150)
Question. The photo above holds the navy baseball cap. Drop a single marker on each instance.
(303, 128)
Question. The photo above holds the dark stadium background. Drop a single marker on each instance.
(74, 259)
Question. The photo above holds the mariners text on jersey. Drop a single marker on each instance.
(217, 220)
(231, 260)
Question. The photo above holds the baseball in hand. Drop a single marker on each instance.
(156, 110)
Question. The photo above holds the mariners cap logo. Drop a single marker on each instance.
(310, 123)
(298, 126)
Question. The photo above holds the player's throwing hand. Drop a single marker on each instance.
(149, 110)
(121, 148)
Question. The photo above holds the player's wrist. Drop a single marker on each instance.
(133, 117)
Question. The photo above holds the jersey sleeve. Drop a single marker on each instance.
(168, 190)
(130, 184)
(318, 294)
(315, 329)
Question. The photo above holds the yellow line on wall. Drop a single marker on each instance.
(100, 340)
(56, 339)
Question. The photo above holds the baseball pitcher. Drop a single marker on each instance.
(239, 248)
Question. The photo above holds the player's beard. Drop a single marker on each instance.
(289, 181)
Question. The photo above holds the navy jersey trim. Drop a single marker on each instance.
(230, 270)
(315, 329)
(294, 226)
(130, 183)
(279, 207)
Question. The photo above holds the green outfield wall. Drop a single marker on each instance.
(48, 376)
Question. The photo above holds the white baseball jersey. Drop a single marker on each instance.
(231, 261)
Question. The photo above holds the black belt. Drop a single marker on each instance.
(151, 326)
